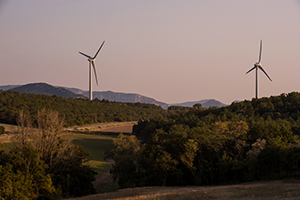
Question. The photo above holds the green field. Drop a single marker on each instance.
(96, 145)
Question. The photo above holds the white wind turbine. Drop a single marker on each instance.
(258, 66)
(92, 62)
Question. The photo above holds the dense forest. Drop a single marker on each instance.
(246, 141)
(74, 111)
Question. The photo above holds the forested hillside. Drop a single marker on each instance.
(74, 111)
(246, 141)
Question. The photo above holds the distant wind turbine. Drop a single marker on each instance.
(92, 62)
(258, 66)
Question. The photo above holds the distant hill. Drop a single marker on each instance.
(8, 87)
(120, 97)
(75, 90)
(206, 103)
(67, 92)
(132, 98)
(46, 89)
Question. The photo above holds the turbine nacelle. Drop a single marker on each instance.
(257, 64)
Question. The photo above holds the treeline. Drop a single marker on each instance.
(246, 141)
(74, 111)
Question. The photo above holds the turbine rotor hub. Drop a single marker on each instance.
(257, 64)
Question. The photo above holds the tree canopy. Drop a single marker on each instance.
(249, 140)
(42, 166)
(74, 111)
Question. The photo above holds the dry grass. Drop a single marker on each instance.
(10, 130)
(118, 129)
(9, 127)
(287, 190)
(5, 140)
(103, 126)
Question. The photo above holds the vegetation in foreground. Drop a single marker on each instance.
(46, 167)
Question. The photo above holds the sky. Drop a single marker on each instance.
(171, 50)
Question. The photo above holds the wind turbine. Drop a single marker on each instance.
(258, 66)
(92, 62)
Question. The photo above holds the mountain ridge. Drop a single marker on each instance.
(120, 97)
(206, 103)
(67, 92)
(46, 89)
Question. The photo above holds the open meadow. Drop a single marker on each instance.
(96, 145)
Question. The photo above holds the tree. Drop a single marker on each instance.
(168, 155)
(23, 175)
(231, 129)
(197, 106)
(126, 157)
(24, 129)
(64, 160)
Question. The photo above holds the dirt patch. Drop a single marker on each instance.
(105, 179)
(283, 189)
(118, 129)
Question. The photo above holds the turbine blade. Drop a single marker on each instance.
(95, 71)
(84, 55)
(260, 67)
(260, 51)
(98, 50)
(251, 70)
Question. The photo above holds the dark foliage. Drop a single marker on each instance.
(42, 166)
(249, 140)
(2, 130)
(70, 176)
(23, 175)
(74, 111)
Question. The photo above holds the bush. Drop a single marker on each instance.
(2, 130)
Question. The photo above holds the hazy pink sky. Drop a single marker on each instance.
(170, 50)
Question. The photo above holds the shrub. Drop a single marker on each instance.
(2, 130)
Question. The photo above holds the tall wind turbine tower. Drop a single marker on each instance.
(92, 62)
(256, 67)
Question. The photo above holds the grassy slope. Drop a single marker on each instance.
(9, 127)
(96, 145)
(286, 190)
